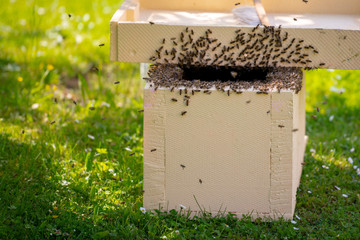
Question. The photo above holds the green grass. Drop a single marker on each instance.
(75, 179)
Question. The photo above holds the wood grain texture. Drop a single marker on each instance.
(137, 42)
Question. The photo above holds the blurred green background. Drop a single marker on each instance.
(67, 132)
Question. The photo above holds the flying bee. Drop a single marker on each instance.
(321, 64)
(183, 166)
(295, 19)
(69, 15)
(295, 130)
(281, 126)
(52, 122)
(268, 112)
(131, 154)
(117, 82)
(174, 99)
(74, 102)
(22, 131)
(237, 4)
(92, 108)
(248, 101)
(153, 150)
(140, 111)
(183, 113)
(102, 44)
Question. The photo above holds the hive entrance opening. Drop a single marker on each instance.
(224, 73)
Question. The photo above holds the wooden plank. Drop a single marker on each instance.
(137, 42)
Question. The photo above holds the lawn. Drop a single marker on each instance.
(67, 132)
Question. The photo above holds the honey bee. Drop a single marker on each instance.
(174, 99)
(52, 122)
(151, 23)
(248, 101)
(295, 130)
(153, 150)
(183, 113)
(140, 111)
(92, 108)
(23, 131)
(200, 181)
(281, 126)
(102, 44)
(74, 102)
(183, 166)
(117, 82)
(131, 154)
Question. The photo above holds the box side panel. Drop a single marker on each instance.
(281, 153)
(219, 152)
(137, 42)
(154, 149)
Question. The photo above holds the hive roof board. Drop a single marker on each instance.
(325, 32)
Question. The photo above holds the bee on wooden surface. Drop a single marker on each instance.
(321, 64)
(174, 99)
(281, 126)
(140, 111)
(163, 41)
(151, 23)
(316, 51)
(295, 19)
(187, 29)
(183, 166)
(183, 113)
(295, 130)
(175, 43)
(153, 150)
(172, 89)
(236, 4)
(102, 44)
(180, 91)
(200, 181)
(187, 102)
(268, 112)
(248, 101)
(305, 1)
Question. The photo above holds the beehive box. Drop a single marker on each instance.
(238, 147)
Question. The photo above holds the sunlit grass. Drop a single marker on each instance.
(71, 141)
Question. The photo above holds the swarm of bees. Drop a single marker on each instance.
(259, 50)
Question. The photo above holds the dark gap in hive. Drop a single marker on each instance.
(224, 73)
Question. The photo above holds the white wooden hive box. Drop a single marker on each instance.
(240, 153)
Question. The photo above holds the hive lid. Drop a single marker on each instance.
(331, 27)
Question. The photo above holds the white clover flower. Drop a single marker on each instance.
(309, 191)
(226, 225)
(358, 171)
(91, 137)
(355, 167)
(182, 206)
(143, 210)
(297, 217)
(312, 150)
(177, 231)
(293, 222)
(164, 237)
(331, 118)
(352, 149)
(350, 160)
(295, 228)
(337, 188)
(325, 167)
(344, 195)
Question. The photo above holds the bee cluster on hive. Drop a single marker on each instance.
(249, 61)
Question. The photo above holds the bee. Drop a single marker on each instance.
(140, 111)
(74, 102)
(200, 181)
(248, 101)
(183, 113)
(228, 92)
(151, 23)
(236, 4)
(295, 19)
(321, 64)
(317, 109)
(209, 31)
(301, 41)
(102, 44)
(69, 15)
(187, 102)
(52, 122)
(268, 112)
(117, 82)
(131, 154)
(22, 131)
(153, 150)
(163, 41)
(180, 92)
(183, 166)
(305, 1)
(316, 51)
(281, 126)
(295, 130)
(55, 100)
(174, 99)
(187, 29)
(175, 43)
(92, 108)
